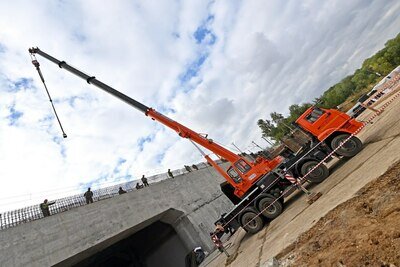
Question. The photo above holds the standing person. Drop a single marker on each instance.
(170, 174)
(45, 207)
(144, 181)
(218, 243)
(89, 196)
(187, 168)
(121, 191)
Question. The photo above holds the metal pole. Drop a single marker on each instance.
(237, 148)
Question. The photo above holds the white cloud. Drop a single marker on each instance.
(267, 55)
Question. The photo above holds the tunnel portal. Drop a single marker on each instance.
(156, 245)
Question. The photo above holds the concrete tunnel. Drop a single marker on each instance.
(154, 242)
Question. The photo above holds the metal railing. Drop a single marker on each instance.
(31, 213)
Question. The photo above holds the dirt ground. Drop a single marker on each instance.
(363, 231)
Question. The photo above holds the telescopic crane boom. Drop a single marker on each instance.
(242, 173)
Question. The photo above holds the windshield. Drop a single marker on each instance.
(242, 166)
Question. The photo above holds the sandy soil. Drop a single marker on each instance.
(363, 231)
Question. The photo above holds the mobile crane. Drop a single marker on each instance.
(253, 184)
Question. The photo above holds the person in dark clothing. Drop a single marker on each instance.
(228, 228)
(187, 168)
(89, 196)
(45, 207)
(170, 174)
(144, 181)
(195, 167)
(190, 259)
(195, 257)
(121, 191)
(139, 186)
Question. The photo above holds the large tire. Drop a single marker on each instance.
(273, 210)
(350, 148)
(250, 222)
(316, 176)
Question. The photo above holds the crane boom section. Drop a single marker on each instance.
(185, 132)
(91, 80)
(182, 130)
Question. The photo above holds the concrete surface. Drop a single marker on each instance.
(381, 150)
(190, 203)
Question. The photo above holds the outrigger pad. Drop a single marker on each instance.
(313, 197)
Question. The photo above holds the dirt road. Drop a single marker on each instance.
(381, 151)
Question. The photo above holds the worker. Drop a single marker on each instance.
(226, 225)
(45, 207)
(121, 191)
(187, 168)
(219, 230)
(139, 186)
(144, 181)
(195, 167)
(195, 257)
(170, 174)
(89, 196)
(218, 243)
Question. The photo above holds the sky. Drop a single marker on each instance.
(214, 66)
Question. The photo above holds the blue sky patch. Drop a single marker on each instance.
(143, 140)
(20, 84)
(58, 141)
(72, 100)
(204, 31)
(160, 157)
(14, 115)
(119, 163)
(193, 69)
(205, 38)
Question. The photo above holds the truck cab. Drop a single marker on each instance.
(322, 123)
(332, 127)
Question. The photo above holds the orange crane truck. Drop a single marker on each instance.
(251, 185)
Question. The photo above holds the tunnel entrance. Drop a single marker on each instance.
(156, 245)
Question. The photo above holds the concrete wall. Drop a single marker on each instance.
(190, 203)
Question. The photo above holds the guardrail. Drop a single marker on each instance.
(31, 213)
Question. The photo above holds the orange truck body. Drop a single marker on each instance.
(327, 123)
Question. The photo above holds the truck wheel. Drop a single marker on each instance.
(350, 148)
(273, 210)
(250, 221)
(317, 175)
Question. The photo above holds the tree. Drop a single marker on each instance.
(276, 117)
(266, 127)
